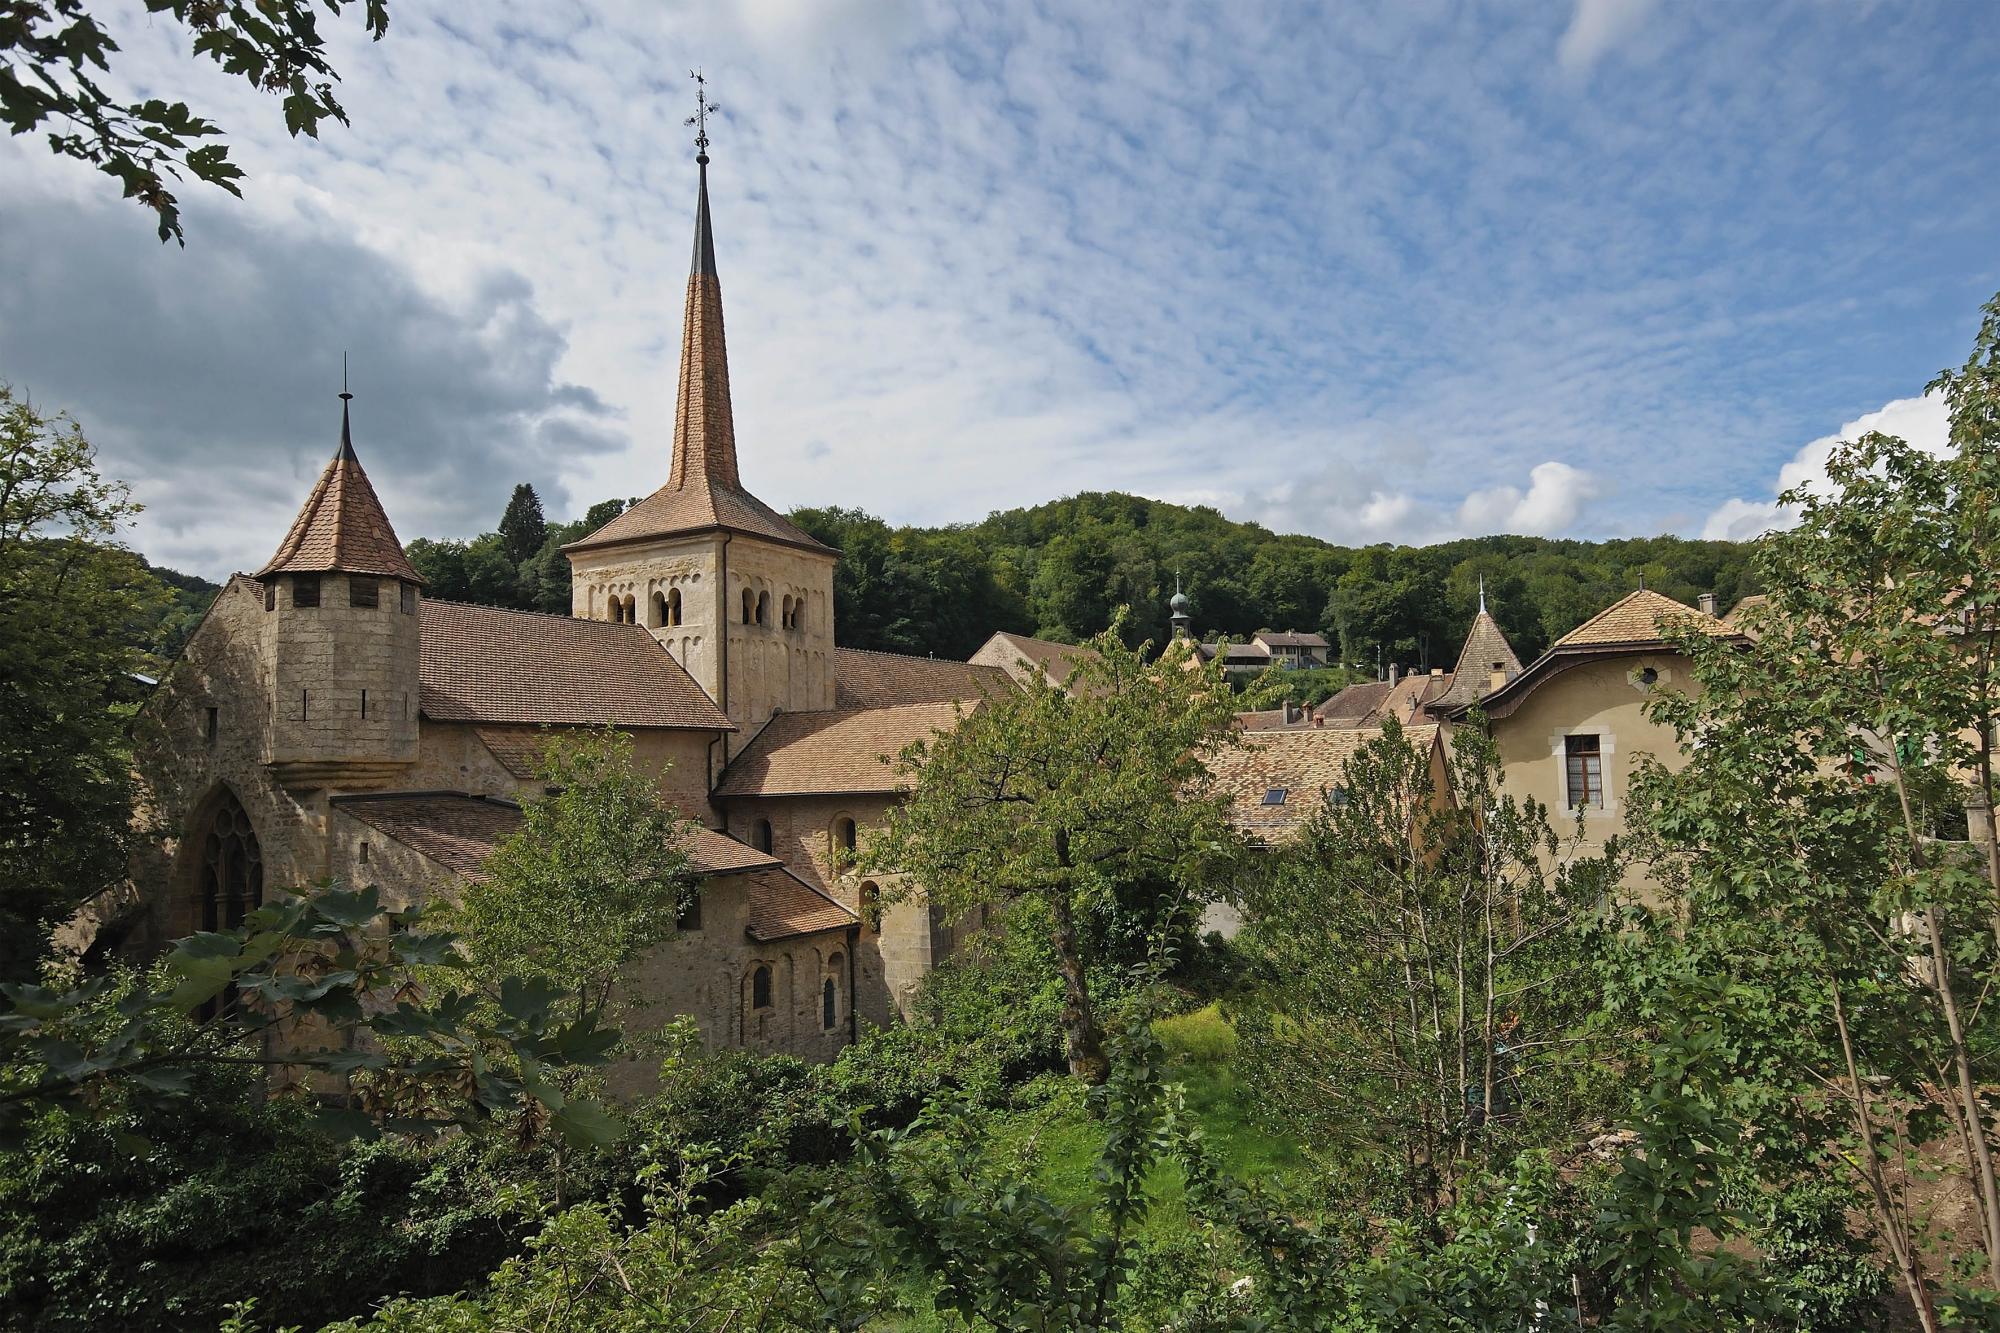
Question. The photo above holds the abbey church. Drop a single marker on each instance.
(327, 721)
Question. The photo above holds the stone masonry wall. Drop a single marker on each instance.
(344, 678)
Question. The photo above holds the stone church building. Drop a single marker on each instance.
(328, 721)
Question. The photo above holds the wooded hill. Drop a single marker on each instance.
(1058, 570)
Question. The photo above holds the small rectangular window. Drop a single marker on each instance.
(1585, 761)
(409, 599)
(364, 592)
(214, 725)
(690, 913)
(270, 594)
(1274, 796)
(305, 590)
(364, 853)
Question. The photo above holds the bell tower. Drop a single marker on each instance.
(739, 594)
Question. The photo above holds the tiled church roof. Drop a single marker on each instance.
(342, 527)
(863, 679)
(850, 751)
(1302, 764)
(783, 905)
(483, 664)
(703, 490)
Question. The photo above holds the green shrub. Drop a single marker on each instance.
(1202, 1037)
(163, 1221)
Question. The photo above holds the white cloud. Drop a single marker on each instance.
(1923, 422)
(1595, 27)
(1555, 496)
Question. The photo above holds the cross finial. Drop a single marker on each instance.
(702, 108)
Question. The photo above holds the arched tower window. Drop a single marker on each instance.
(230, 878)
(631, 610)
(673, 606)
(844, 834)
(761, 834)
(656, 613)
(763, 608)
(871, 904)
(749, 605)
(760, 987)
(829, 1004)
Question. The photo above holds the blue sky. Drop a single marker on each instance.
(1584, 267)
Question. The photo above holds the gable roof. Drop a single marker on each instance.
(483, 664)
(1302, 763)
(839, 751)
(1637, 618)
(1057, 660)
(1352, 705)
(1290, 639)
(864, 679)
(342, 526)
(459, 832)
(1635, 623)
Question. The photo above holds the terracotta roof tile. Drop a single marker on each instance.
(840, 750)
(1057, 660)
(864, 679)
(1355, 704)
(1301, 763)
(698, 505)
(459, 832)
(783, 905)
(1637, 618)
(342, 528)
(1485, 645)
(482, 664)
(519, 749)
(1292, 639)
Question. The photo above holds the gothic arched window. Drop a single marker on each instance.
(230, 883)
(829, 1004)
(760, 987)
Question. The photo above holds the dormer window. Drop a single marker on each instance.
(1274, 796)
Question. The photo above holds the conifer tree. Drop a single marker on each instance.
(523, 528)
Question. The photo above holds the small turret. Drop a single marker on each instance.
(341, 638)
(1178, 606)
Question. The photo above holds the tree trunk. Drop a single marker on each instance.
(1082, 1045)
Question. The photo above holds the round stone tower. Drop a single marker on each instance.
(341, 637)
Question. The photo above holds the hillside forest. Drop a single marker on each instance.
(1058, 571)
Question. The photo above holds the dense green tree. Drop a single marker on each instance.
(1423, 976)
(523, 528)
(1065, 795)
(76, 610)
(54, 57)
(1837, 931)
(442, 563)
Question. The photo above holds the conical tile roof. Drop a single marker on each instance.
(342, 528)
(1485, 650)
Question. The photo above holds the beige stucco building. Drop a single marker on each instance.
(328, 721)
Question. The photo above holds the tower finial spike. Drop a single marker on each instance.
(346, 449)
(1482, 594)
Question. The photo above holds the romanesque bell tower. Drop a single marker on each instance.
(739, 594)
(340, 637)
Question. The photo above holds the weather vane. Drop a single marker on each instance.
(702, 106)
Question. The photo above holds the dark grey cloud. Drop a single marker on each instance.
(207, 376)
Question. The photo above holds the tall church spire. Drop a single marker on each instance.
(704, 426)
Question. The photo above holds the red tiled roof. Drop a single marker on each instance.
(1642, 616)
(459, 832)
(1057, 660)
(841, 750)
(342, 528)
(1300, 763)
(482, 664)
(864, 679)
(783, 905)
(699, 505)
